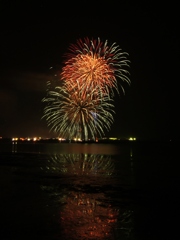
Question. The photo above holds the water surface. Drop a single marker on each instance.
(89, 191)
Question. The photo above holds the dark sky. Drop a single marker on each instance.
(35, 35)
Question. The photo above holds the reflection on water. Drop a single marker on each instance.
(89, 191)
(82, 190)
(85, 217)
(64, 148)
(14, 146)
(81, 164)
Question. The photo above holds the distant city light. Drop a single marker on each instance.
(61, 139)
(77, 139)
(14, 139)
(132, 139)
(112, 138)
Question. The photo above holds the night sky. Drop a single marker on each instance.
(35, 35)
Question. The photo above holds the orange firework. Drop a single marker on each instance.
(93, 63)
(83, 103)
(89, 72)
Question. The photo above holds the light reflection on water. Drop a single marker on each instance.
(89, 191)
(64, 148)
(81, 164)
(87, 209)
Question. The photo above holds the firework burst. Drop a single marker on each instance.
(83, 105)
(93, 63)
(75, 114)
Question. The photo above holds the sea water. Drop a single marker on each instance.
(85, 191)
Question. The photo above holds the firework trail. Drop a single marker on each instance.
(75, 114)
(93, 63)
(83, 105)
